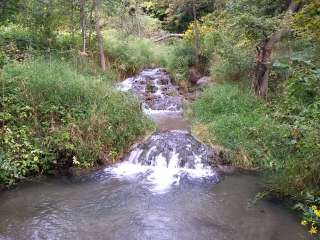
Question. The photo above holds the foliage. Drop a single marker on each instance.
(227, 56)
(8, 10)
(131, 54)
(307, 21)
(54, 117)
(18, 43)
(138, 24)
(311, 214)
(179, 13)
(258, 137)
(181, 57)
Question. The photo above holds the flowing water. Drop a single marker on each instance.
(168, 187)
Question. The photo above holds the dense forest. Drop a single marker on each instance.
(258, 98)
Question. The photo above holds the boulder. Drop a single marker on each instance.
(204, 81)
(194, 75)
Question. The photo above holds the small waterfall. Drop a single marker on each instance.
(166, 158)
(155, 90)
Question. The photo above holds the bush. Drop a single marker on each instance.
(311, 214)
(180, 59)
(230, 61)
(257, 138)
(52, 117)
(130, 54)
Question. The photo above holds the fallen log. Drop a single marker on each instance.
(173, 35)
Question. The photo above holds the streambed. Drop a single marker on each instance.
(168, 187)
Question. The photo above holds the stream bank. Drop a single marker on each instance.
(167, 187)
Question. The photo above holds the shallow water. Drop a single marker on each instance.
(166, 188)
(102, 207)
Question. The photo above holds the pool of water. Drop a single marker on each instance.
(103, 207)
(167, 188)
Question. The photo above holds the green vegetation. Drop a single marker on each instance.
(277, 134)
(132, 54)
(53, 117)
(58, 61)
(257, 136)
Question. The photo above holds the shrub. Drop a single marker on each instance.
(130, 54)
(258, 138)
(180, 59)
(52, 117)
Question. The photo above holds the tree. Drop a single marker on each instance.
(102, 58)
(83, 25)
(9, 10)
(264, 51)
(307, 21)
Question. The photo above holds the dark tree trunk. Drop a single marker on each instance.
(196, 33)
(100, 43)
(83, 25)
(264, 54)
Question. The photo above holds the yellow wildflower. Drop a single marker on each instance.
(313, 207)
(304, 222)
(316, 211)
(313, 230)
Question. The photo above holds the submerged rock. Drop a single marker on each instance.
(168, 159)
(173, 149)
(204, 81)
(155, 90)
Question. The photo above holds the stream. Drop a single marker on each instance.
(168, 187)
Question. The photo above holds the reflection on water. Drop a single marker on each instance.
(103, 207)
(120, 203)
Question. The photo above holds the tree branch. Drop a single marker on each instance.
(173, 35)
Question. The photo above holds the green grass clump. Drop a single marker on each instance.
(256, 139)
(53, 117)
(130, 54)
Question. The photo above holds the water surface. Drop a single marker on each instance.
(168, 187)
(102, 207)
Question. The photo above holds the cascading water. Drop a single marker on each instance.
(155, 90)
(166, 158)
(123, 202)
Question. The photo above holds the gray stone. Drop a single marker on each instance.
(204, 81)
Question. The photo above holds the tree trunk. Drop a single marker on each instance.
(264, 54)
(83, 25)
(196, 33)
(172, 35)
(99, 35)
(91, 25)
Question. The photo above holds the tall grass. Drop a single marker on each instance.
(130, 54)
(256, 139)
(52, 116)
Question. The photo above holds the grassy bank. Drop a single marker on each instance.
(53, 118)
(256, 137)
(130, 54)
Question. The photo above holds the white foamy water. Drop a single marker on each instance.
(161, 175)
(155, 90)
(158, 163)
(125, 85)
(151, 112)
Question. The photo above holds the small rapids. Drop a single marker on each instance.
(167, 158)
(155, 90)
(165, 189)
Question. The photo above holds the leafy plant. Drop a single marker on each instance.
(53, 118)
